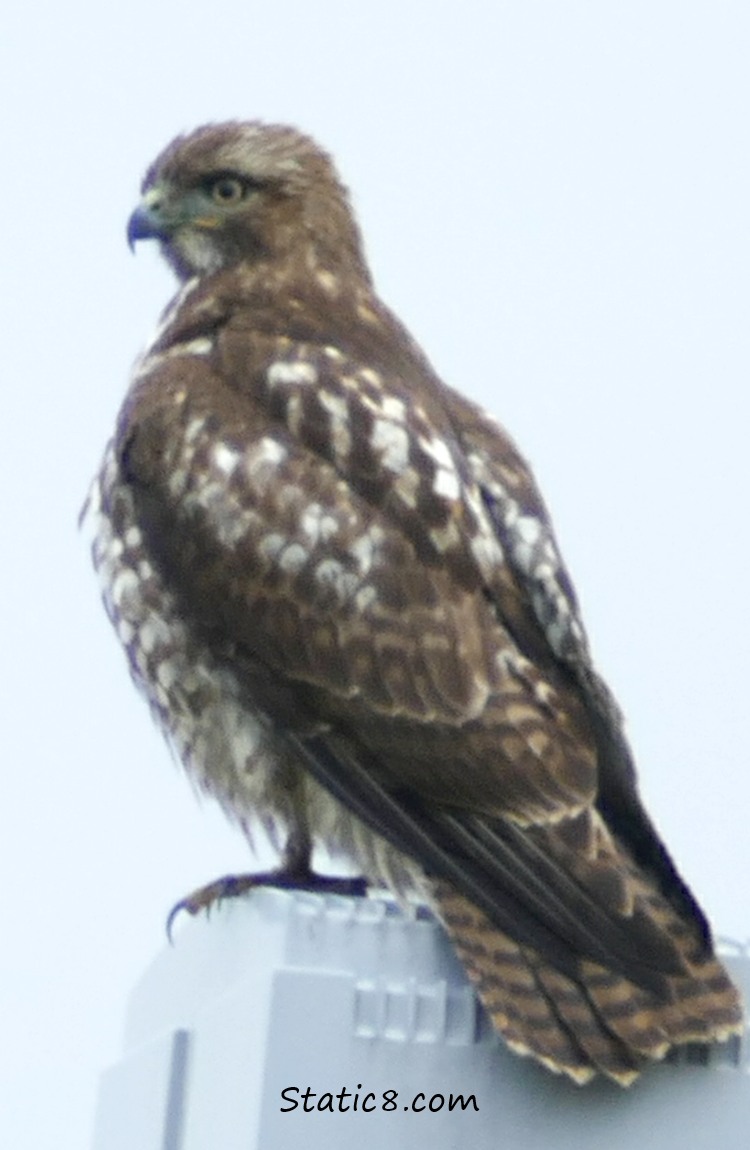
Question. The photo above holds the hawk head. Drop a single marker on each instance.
(254, 192)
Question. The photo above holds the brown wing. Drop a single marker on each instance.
(513, 502)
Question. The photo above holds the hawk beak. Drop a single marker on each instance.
(145, 224)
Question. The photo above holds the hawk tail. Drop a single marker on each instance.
(600, 1022)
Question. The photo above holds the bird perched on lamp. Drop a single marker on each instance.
(339, 590)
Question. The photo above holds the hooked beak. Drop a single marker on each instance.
(146, 223)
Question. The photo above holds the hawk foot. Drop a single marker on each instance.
(234, 885)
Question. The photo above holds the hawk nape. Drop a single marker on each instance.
(338, 588)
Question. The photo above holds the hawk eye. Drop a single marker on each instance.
(227, 190)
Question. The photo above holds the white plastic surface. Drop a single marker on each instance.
(278, 994)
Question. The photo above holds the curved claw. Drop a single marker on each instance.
(228, 886)
(232, 886)
(192, 904)
(178, 906)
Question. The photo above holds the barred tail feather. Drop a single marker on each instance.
(600, 1023)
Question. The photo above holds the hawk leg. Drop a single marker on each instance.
(295, 873)
(234, 885)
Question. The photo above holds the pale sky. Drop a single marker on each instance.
(555, 199)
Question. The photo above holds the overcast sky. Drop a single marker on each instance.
(555, 199)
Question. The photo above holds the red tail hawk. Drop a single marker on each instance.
(338, 588)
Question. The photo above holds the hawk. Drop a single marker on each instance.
(339, 590)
